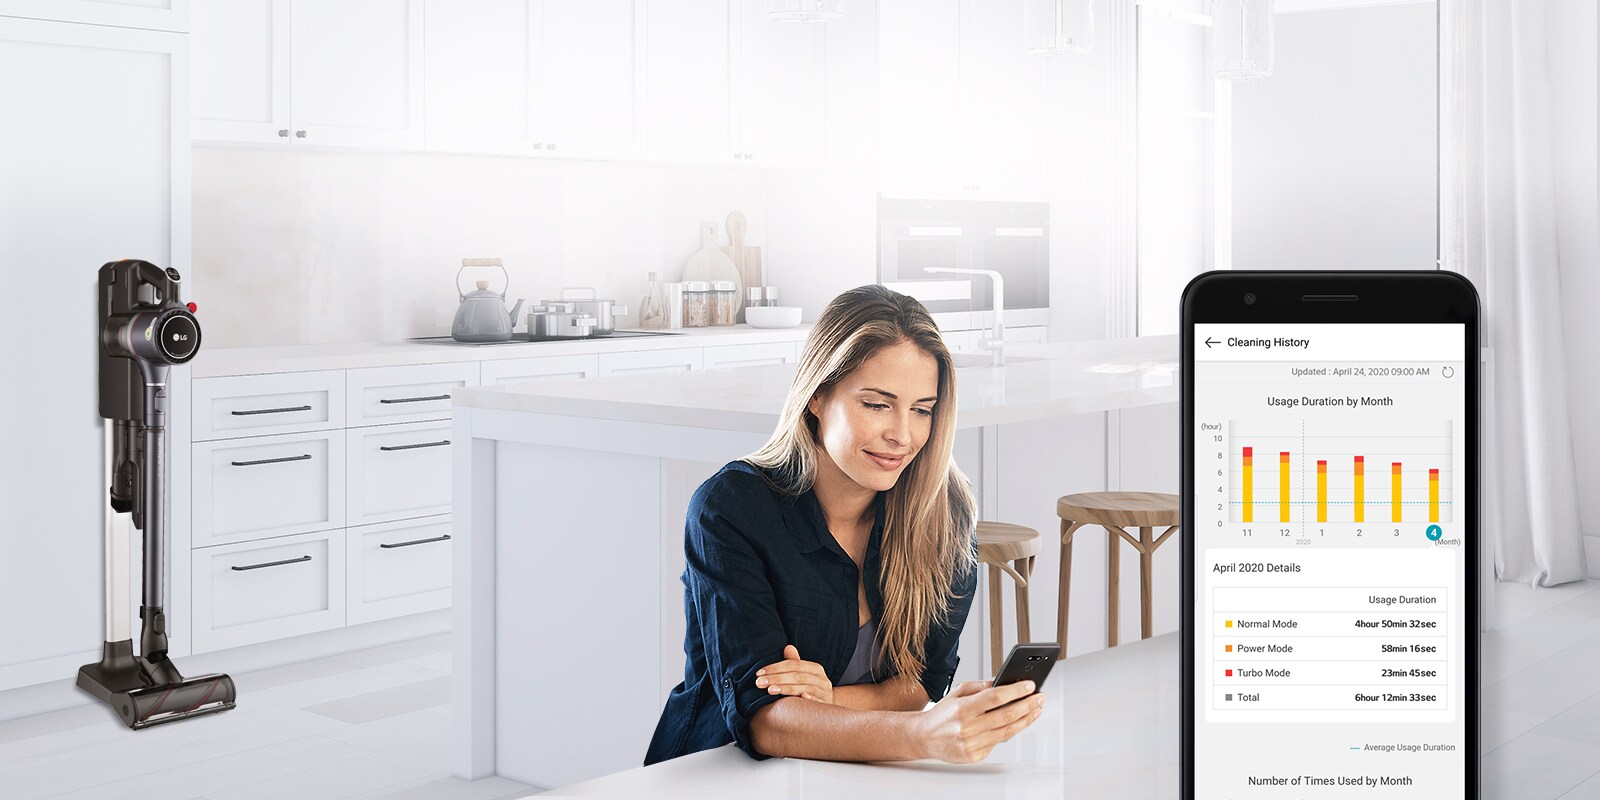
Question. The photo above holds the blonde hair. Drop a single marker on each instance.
(929, 514)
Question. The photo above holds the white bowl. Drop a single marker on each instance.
(772, 316)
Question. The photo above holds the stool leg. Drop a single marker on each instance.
(1025, 569)
(1113, 585)
(996, 623)
(1064, 593)
(1146, 606)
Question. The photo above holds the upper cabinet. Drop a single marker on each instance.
(303, 72)
(155, 15)
(536, 77)
(704, 81)
(971, 124)
(727, 83)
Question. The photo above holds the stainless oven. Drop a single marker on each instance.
(1012, 238)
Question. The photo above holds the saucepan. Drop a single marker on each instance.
(604, 311)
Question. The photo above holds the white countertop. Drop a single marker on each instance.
(1038, 381)
(1110, 729)
(297, 358)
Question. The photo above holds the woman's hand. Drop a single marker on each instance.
(974, 717)
(792, 676)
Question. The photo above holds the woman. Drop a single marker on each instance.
(828, 575)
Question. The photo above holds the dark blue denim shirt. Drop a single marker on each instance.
(762, 571)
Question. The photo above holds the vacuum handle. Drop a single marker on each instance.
(273, 564)
(387, 401)
(444, 538)
(391, 448)
(254, 411)
(304, 457)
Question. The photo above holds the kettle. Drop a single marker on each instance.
(482, 315)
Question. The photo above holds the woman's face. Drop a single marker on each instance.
(876, 420)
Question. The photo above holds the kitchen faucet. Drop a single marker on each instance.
(996, 340)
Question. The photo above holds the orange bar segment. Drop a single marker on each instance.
(1361, 489)
(1433, 495)
(1394, 493)
(1322, 491)
(1283, 486)
(1249, 486)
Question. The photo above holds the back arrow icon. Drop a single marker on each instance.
(1210, 342)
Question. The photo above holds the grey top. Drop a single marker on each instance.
(861, 660)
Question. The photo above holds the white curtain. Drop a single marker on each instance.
(1498, 224)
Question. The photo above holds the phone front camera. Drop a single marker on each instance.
(1250, 298)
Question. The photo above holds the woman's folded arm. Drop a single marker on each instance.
(796, 727)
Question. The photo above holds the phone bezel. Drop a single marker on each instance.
(1418, 296)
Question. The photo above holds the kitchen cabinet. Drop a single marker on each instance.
(728, 84)
(560, 78)
(397, 568)
(96, 168)
(157, 15)
(343, 73)
(969, 125)
(262, 590)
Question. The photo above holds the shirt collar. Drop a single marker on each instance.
(812, 534)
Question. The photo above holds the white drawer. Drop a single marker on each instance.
(397, 472)
(255, 405)
(259, 591)
(749, 355)
(398, 568)
(268, 486)
(525, 370)
(683, 360)
(384, 395)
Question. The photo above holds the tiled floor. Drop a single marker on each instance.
(369, 724)
(1541, 694)
(375, 724)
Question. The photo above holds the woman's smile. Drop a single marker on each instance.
(888, 461)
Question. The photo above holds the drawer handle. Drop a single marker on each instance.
(273, 563)
(443, 538)
(387, 401)
(392, 447)
(305, 457)
(254, 411)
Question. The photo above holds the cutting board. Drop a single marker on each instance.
(746, 259)
(709, 263)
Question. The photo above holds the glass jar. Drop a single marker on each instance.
(696, 304)
(724, 303)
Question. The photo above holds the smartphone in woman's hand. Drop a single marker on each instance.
(1030, 661)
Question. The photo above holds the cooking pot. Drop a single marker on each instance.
(604, 311)
(559, 321)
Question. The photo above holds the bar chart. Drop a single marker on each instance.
(1305, 471)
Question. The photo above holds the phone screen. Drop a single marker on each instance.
(1330, 569)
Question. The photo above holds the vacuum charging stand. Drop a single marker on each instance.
(145, 329)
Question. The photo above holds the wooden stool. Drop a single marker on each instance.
(1115, 511)
(1011, 548)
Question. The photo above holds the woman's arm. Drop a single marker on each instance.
(961, 728)
(799, 728)
(899, 693)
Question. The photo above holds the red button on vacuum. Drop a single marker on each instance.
(193, 308)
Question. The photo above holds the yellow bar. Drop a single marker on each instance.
(1361, 488)
(1283, 487)
(1249, 486)
(1433, 495)
(1322, 491)
(1394, 494)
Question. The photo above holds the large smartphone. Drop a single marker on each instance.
(1330, 557)
(1029, 661)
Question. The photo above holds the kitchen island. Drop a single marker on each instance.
(569, 500)
(1109, 729)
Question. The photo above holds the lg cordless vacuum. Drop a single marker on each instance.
(145, 329)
